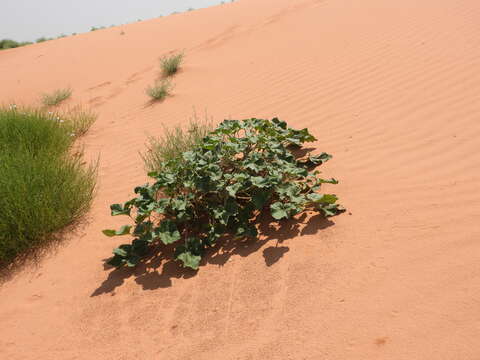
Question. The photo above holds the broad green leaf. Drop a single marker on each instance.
(123, 250)
(116, 261)
(232, 189)
(133, 260)
(140, 246)
(168, 232)
(314, 197)
(189, 260)
(319, 159)
(260, 198)
(124, 230)
(189, 156)
(329, 199)
(279, 211)
(179, 204)
(161, 206)
(117, 209)
(142, 228)
(260, 182)
(331, 209)
(221, 215)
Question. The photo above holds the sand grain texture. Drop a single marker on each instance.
(391, 89)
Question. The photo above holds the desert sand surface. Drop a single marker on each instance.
(390, 88)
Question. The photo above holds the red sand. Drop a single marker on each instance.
(391, 88)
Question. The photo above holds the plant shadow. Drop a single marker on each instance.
(159, 268)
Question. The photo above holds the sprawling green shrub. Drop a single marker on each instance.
(43, 186)
(220, 187)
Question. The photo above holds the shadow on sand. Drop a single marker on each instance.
(158, 269)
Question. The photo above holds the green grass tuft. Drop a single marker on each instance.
(160, 90)
(43, 185)
(56, 97)
(174, 142)
(171, 64)
(78, 120)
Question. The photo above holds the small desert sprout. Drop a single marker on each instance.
(171, 64)
(160, 90)
(56, 97)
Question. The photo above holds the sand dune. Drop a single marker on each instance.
(390, 88)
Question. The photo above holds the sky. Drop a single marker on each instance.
(28, 20)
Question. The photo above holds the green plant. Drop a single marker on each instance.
(160, 90)
(10, 44)
(171, 64)
(43, 185)
(78, 120)
(220, 187)
(173, 143)
(56, 97)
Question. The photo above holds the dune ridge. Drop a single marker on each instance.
(390, 88)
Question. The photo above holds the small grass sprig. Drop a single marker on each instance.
(56, 97)
(79, 120)
(174, 142)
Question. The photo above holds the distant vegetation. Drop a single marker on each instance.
(56, 97)
(44, 185)
(10, 44)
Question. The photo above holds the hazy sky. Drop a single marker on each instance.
(27, 20)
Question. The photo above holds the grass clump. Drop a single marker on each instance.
(78, 120)
(160, 90)
(171, 64)
(174, 142)
(56, 97)
(43, 186)
(222, 187)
